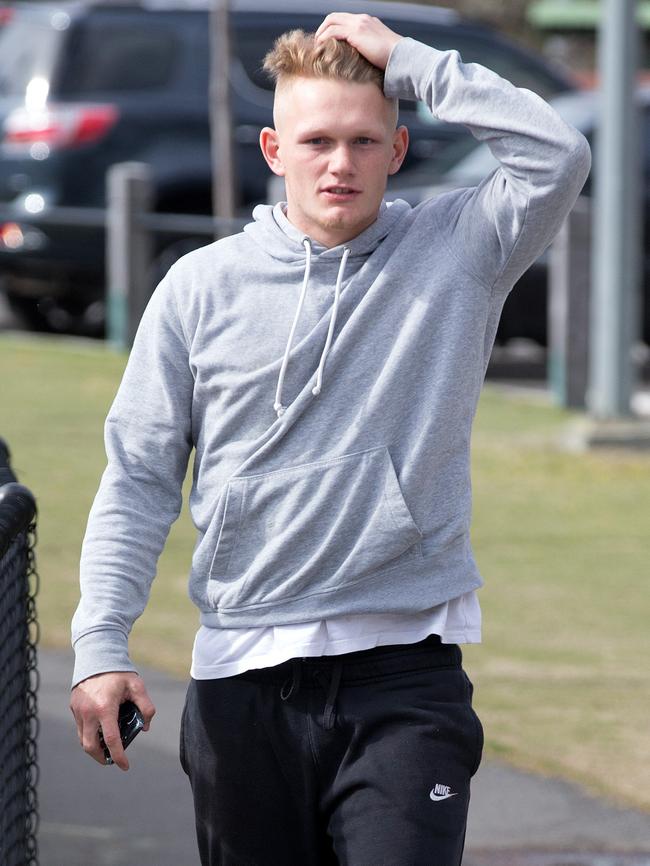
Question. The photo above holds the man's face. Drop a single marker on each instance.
(335, 143)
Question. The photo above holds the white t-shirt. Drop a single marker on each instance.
(224, 652)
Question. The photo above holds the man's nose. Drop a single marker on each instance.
(341, 160)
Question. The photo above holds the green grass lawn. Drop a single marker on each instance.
(562, 677)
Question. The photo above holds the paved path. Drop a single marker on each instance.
(95, 816)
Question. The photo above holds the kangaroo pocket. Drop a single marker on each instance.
(309, 529)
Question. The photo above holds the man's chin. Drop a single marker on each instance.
(342, 217)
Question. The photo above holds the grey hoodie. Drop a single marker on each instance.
(329, 393)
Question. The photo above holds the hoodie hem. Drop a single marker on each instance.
(421, 584)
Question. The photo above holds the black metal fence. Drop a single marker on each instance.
(18, 671)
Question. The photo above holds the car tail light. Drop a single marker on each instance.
(15, 237)
(6, 14)
(11, 236)
(56, 126)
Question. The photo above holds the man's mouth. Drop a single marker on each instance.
(339, 193)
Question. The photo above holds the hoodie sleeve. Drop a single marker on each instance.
(148, 440)
(497, 229)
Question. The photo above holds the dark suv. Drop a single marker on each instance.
(84, 85)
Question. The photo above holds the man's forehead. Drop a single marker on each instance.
(315, 127)
(365, 104)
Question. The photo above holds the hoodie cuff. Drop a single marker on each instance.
(100, 652)
(408, 69)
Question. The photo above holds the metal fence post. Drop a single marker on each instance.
(18, 671)
(129, 250)
(569, 281)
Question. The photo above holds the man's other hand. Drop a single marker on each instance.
(364, 32)
(95, 703)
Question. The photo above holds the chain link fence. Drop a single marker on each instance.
(18, 671)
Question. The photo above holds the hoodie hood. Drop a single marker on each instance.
(282, 240)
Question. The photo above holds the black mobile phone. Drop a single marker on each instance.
(130, 723)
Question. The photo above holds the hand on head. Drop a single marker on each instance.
(364, 32)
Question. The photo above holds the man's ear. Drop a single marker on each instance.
(270, 147)
(400, 146)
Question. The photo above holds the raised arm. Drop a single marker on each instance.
(497, 229)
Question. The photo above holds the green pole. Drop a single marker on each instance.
(617, 217)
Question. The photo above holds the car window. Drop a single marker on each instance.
(253, 43)
(250, 47)
(253, 38)
(118, 55)
(28, 47)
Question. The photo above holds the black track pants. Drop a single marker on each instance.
(360, 759)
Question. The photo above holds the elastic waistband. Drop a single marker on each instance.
(368, 663)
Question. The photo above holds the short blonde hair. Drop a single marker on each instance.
(296, 54)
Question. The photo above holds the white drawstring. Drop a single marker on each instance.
(339, 280)
(279, 408)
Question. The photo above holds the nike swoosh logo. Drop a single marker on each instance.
(437, 797)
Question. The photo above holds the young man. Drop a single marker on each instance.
(325, 364)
